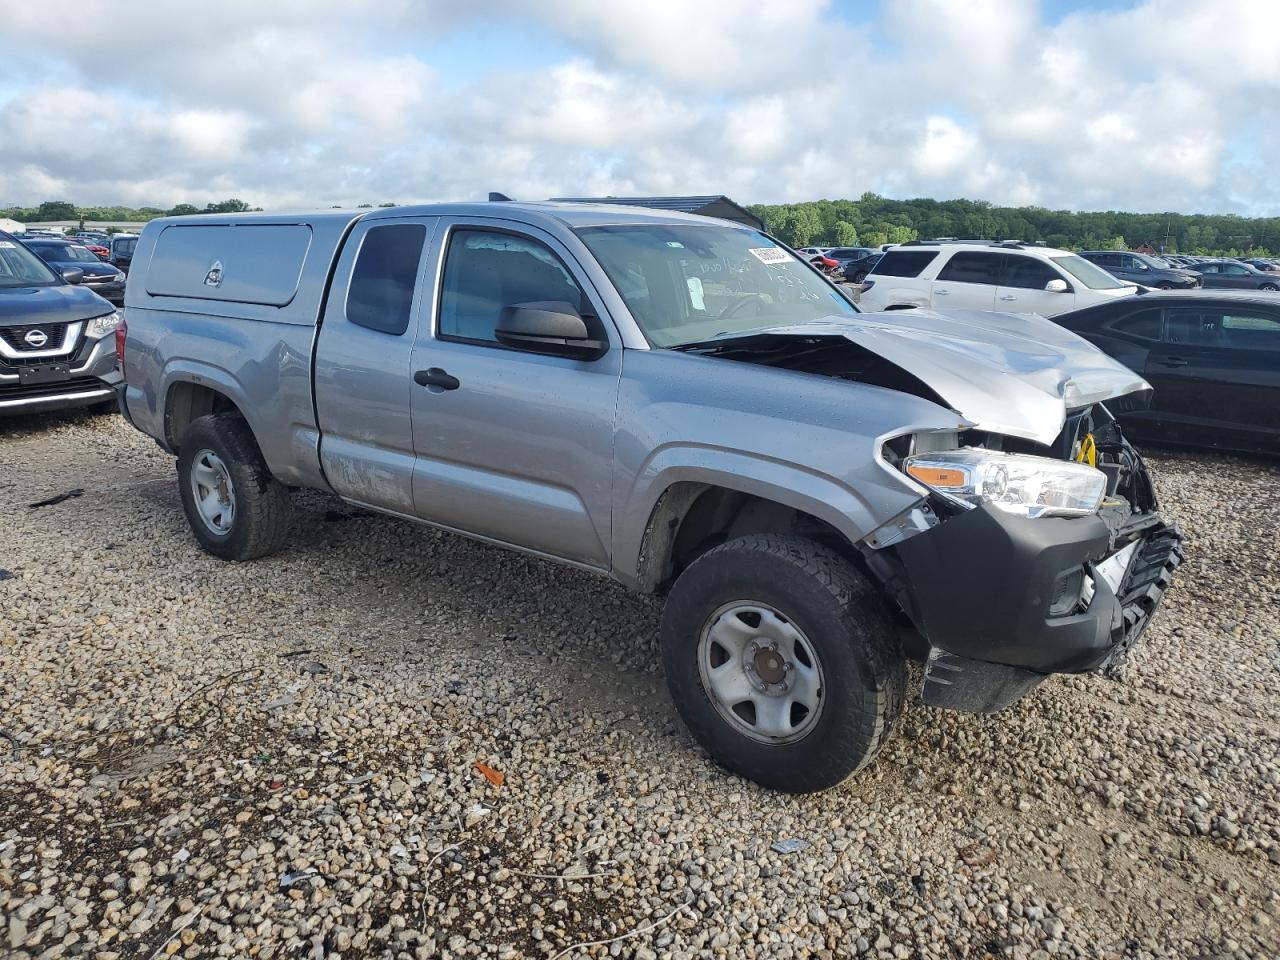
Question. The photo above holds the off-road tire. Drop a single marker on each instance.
(845, 620)
(261, 522)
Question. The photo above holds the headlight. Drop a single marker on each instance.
(101, 326)
(1017, 483)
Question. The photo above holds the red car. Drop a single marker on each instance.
(102, 253)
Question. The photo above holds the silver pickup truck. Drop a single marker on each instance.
(686, 406)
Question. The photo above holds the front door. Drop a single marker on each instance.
(968, 282)
(1218, 372)
(512, 445)
(1022, 288)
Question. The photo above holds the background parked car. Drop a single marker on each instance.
(810, 252)
(855, 271)
(987, 275)
(122, 246)
(102, 278)
(1266, 266)
(846, 254)
(1233, 275)
(97, 249)
(1142, 269)
(1213, 359)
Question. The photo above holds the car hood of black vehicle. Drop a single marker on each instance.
(62, 303)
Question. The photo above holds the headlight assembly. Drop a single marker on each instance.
(1017, 483)
(101, 326)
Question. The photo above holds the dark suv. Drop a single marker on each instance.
(57, 343)
(105, 280)
(1141, 269)
(122, 250)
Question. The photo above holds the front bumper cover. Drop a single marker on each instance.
(984, 588)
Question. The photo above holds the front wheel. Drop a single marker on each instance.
(236, 508)
(783, 662)
(1269, 286)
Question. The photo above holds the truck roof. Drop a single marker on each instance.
(570, 214)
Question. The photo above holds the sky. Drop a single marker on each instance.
(1162, 105)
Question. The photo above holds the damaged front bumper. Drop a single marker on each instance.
(1004, 601)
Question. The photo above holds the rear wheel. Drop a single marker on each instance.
(236, 509)
(1269, 286)
(1166, 285)
(783, 662)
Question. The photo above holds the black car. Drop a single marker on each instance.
(103, 279)
(1213, 359)
(846, 254)
(855, 271)
(122, 250)
(1142, 269)
(1266, 266)
(1234, 275)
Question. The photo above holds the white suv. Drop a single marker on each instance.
(987, 275)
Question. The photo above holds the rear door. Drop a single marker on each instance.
(1217, 374)
(518, 446)
(1022, 287)
(363, 380)
(968, 281)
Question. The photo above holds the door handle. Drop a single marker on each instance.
(1172, 362)
(1008, 296)
(435, 377)
(939, 293)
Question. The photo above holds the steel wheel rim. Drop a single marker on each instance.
(213, 492)
(760, 672)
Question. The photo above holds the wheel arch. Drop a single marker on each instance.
(693, 510)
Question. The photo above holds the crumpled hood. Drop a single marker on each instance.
(1015, 374)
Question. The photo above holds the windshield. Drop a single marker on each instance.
(79, 254)
(1093, 277)
(687, 283)
(19, 267)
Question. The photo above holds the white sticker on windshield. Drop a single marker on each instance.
(769, 254)
(7, 245)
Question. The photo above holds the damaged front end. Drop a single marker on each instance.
(1008, 585)
(1035, 547)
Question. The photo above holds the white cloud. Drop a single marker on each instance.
(301, 103)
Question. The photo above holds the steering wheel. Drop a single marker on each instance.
(737, 305)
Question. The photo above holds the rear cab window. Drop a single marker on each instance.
(380, 296)
(904, 263)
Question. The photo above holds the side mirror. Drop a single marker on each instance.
(1057, 286)
(73, 275)
(552, 327)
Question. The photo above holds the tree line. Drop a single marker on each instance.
(58, 210)
(872, 220)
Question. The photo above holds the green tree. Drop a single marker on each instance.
(901, 234)
(227, 206)
(846, 234)
(183, 210)
(1115, 243)
(56, 210)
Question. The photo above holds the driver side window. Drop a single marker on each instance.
(1028, 273)
(486, 270)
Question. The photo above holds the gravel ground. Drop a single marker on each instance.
(277, 759)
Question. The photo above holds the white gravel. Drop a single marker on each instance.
(276, 759)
